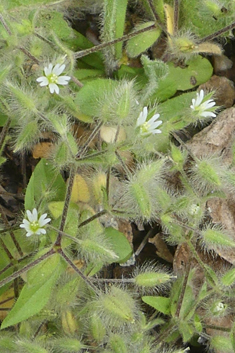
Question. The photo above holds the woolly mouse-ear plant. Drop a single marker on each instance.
(138, 198)
(41, 96)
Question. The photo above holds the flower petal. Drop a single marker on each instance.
(155, 125)
(30, 216)
(157, 132)
(58, 69)
(206, 105)
(44, 81)
(208, 114)
(200, 97)
(48, 69)
(29, 233)
(62, 80)
(53, 88)
(142, 117)
(43, 220)
(154, 117)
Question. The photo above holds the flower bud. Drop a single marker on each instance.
(69, 323)
(151, 279)
(117, 344)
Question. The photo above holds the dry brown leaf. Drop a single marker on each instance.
(161, 248)
(42, 150)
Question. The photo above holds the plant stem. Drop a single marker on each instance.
(143, 243)
(176, 16)
(3, 246)
(213, 327)
(27, 267)
(97, 215)
(5, 25)
(17, 245)
(27, 53)
(4, 132)
(70, 262)
(6, 268)
(90, 138)
(128, 173)
(76, 81)
(218, 33)
(184, 285)
(101, 46)
(157, 17)
(66, 206)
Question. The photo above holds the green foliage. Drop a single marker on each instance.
(119, 243)
(142, 41)
(159, 303)
(46, 184)
(36, 292)
(100, 174)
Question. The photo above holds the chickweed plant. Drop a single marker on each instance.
(112, 157)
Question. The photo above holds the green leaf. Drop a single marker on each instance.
(154, 69)
(3, 119)
(54, 21)
(44, 270)
(232, 336)
(26, 136)
(119, 243)
(197, 323)
(143, 41)
(186, 330)
(2, 160)
(17, 3)
(161, 304)
(197, 68)
(175, 107)
(45, 184)
(113, 25)
(56, 208)
(197, 71)
(36, 293)
(93, 92)
(130, 73)
(221, 342)
(175, 294)
(83, 74)
(229, 277)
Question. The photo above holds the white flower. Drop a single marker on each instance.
(148, 127)
(35, 225)
(203, 108)
(52, 77)
(218, 308)
(194, 209)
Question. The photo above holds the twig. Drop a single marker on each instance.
(5, 220)
(101, 46)
(70, 262)
(176, 16)
(66, 206)
(27, 267)
(218, 33)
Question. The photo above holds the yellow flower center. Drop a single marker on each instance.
(52, 78)
(144, 128)
(34, 226)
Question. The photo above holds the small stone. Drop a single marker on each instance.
(221, 63)
(224, 90)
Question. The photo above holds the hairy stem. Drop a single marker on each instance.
(70, 262)
(124, 38)
(66, 205)
(17, 245)
(27, 267)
